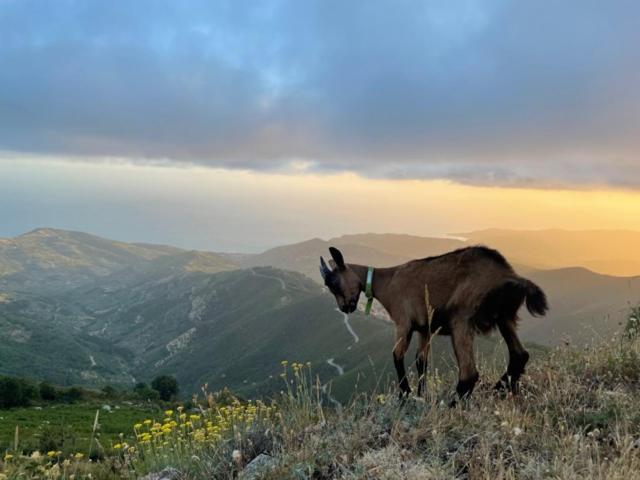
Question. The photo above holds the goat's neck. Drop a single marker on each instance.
(380, 283)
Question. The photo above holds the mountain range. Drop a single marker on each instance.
(76, 308)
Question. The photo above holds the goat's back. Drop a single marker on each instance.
(476, 282)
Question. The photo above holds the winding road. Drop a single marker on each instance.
(325, 390)
(282, 284)
(331, 361)
(336, 366)
(345, 319)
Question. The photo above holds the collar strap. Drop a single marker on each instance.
(368, 291)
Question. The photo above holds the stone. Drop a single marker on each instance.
(168, 473)
(257, 466)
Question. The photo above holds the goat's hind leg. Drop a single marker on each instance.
(518, 357)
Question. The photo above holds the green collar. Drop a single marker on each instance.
(368, 291)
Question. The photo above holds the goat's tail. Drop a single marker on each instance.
(536, 299)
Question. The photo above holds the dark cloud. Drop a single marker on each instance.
(533, 92)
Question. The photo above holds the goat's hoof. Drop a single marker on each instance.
(504, 385)
(403, 396)
(501, 386)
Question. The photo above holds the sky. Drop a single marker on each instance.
(242, 125)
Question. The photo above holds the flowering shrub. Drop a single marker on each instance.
(51, 464)
(192, 436)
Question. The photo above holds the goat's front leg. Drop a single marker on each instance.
(462, 338)
(403, 337)
(421, 360)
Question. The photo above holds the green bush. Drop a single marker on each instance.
(166, 386)
(72, 394)
(109, 392)
(56, 437)
(48, 392)
(16, 392)
(142, 391)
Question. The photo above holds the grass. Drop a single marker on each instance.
(578, 416)
(69, 427)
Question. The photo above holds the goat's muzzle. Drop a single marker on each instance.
(349, 307)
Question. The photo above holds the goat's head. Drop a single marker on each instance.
(342, 281)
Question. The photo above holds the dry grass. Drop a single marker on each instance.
(578, 416)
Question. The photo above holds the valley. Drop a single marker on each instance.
(79, 309)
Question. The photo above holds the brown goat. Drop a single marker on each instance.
(471, 290)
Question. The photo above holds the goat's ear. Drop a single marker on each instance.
(324, 270)
(337, 257)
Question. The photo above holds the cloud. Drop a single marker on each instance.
(495, 92)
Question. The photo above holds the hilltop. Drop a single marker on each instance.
(609, 252)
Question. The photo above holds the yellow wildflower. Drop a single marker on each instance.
(8, 457)
(51, 453)
(117, 446)
(78, 456)
(168, 413)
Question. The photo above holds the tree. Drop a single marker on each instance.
(166, 386)
(48, 392)
(109, 392)
(72, 394)
(16, 392)
(145, 392)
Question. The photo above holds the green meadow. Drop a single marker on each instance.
(69, 427)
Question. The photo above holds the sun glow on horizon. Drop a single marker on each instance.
(257, 210)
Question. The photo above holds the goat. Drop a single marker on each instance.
(471, 290)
